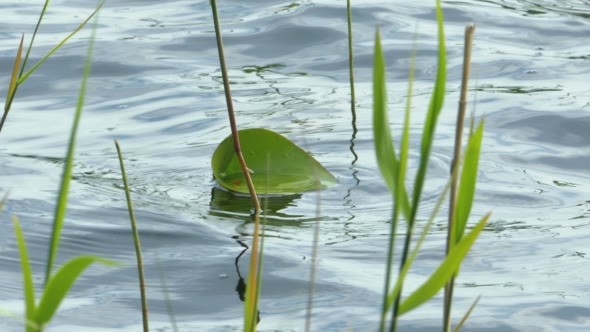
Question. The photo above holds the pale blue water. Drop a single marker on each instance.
(156, 87)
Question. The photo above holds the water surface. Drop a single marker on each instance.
(156, 87)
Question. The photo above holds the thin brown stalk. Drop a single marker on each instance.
(252, 290)
(144, 307)
(230, 110)
(469, 30)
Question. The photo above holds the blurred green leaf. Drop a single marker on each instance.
(384, 149)
(466, 190)
(447, 269)
(434, 108)
(60, 283)
(278, 165)
(29, 287)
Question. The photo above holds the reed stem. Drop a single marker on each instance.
(448, 299)
(137, 243)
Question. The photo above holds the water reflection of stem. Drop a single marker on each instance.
(352, 93)
(469, 30)
(313, 268)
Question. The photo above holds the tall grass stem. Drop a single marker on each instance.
(230, 109)
(448, 298)
(136, 241)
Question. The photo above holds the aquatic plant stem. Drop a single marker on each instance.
(351, 64)
(251, 303)
(230, 110)
(136, 242)
(451, 240)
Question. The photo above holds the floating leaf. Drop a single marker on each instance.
(278, 165)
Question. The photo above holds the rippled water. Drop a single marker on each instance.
(156, 87)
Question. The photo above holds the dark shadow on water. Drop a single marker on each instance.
(228, 204)
(241, 286)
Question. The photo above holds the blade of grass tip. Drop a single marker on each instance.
(457, 226)
(29, 287)
(28, 73)
(62, 199)
(30, 47)
(136, 242)
(434, 108)
(467, 314)
(447, 269)
(230, 110)
(384, 150)
(12, 85)
(351, 63)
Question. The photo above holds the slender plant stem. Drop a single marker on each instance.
(252, 290)
(144, 306)
(451, 239)
(389, 265)
(230, 110)
(351, 64)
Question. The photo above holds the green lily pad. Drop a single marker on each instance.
(278, 165)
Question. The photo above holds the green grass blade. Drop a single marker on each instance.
(436, 103)
(466, 316)
(62, 200)
(384, 150)
(136, 242)
(58, 286)
(408, 264)
(468, 181)
(14, 76)
(29, 287)
(41, 16)
(28, 73)
(446, 270)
